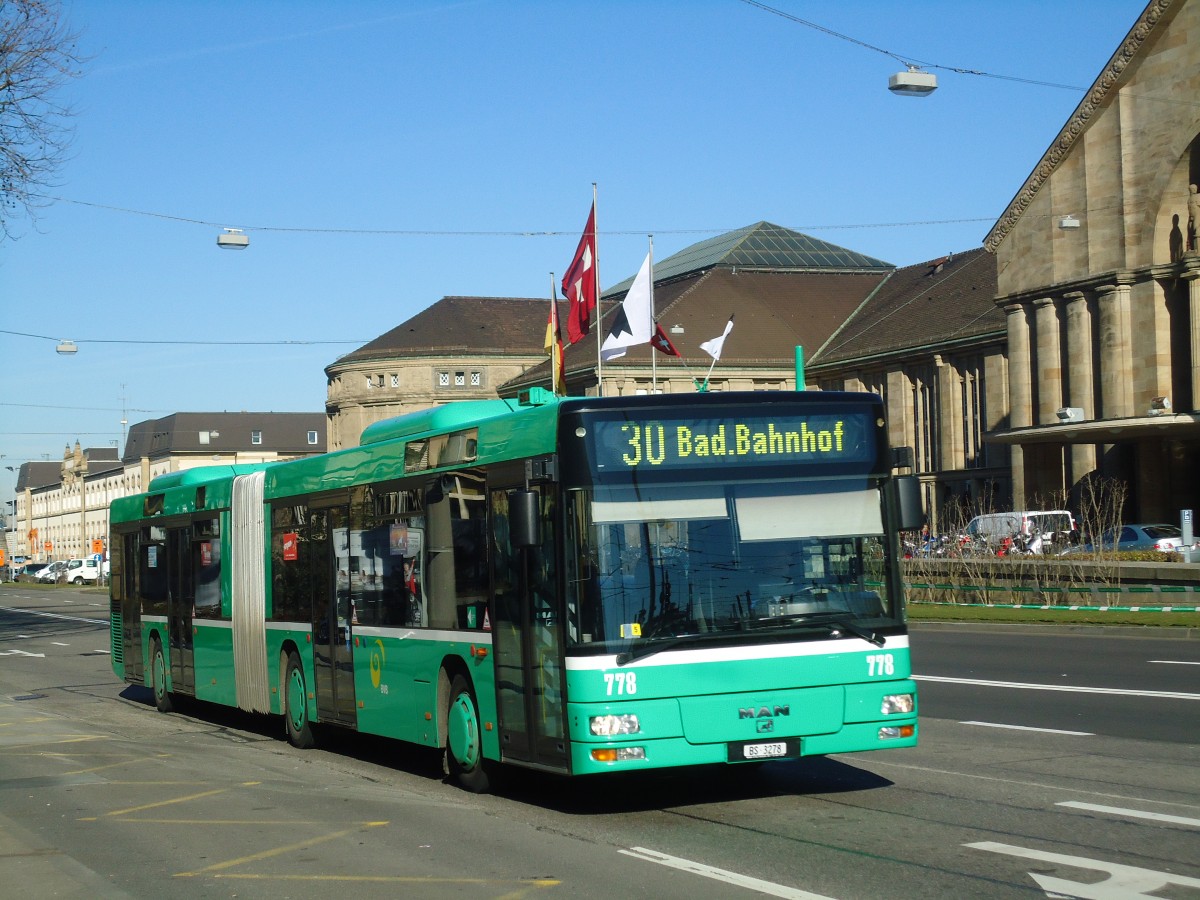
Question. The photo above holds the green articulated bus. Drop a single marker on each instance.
(574, 585)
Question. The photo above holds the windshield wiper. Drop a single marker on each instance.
(833, 621)
(651, 646)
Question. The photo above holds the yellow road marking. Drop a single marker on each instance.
(157, 783)
(399, 879)
(224, 821)
(121, 812)
(70, 739)
(278, 851)
(124, 762)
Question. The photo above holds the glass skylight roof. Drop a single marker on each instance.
(761, 246)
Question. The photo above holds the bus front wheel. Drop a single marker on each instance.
(295, 705)
(158, 677)
(464, 739)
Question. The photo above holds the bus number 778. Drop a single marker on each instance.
(880, 664)
(623, 682)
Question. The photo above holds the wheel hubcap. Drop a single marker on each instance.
(463, 732)
(296, 708)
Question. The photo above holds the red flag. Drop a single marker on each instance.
(662, 343)
(554, 349)
(579, 284)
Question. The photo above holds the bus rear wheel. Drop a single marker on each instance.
(295, 705)
(464, 738)
(158, 678)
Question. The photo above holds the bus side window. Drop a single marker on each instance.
(457, 578)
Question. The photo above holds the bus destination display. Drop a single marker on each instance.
(752, 440)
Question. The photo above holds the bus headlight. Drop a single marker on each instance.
(890, 734)
(608, 726)
(897, 703)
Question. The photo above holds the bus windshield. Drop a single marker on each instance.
(683, 559)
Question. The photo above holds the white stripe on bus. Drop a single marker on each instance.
(687, 654)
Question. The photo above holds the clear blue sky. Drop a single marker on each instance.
(312, 124)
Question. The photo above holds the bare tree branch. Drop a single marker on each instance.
(38, 56)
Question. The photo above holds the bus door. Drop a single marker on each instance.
(527, 636)
(123, 551)
(181, 597)
(333, 579)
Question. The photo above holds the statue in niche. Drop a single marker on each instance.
(1193, 217)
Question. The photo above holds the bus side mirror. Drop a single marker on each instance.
(902, 457)
(435, 492)
(524, 519)
(909, 515)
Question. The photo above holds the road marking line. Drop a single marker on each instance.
(399, 879)
(30, 612)
(1115, 692)
(278, 851)
(124, 762)
(59, 644)
(1030, 728)
(1123, 882)
(72, 739)
(221, 821)
(877, 762)
(132, 809)
(1132, 813)
(22, 653)
(744, 881)
(1175, 662)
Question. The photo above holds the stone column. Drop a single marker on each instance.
(1079, 377)
(996, 404)
(899, 407)
(1116, 352)
(1020, 371)
(1020, 383)
(1049, 361)
(1192, 275)
(949, 415)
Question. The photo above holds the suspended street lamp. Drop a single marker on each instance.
(913, 83)
(233, 239)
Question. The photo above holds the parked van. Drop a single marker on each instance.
(82, 570)
(992, 528)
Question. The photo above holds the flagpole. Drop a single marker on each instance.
(554, 348)
(714, 349)
(653, 321)
(596, 292)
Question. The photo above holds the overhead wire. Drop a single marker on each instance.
(958, 70)
(44, 337)
(899, 57)
(430, 232)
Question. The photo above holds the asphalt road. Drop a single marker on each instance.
(1049, 764)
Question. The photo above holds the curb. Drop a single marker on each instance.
(1138, 631)
(1072, 608)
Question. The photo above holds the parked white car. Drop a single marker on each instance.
(81, 571)
(52, 572)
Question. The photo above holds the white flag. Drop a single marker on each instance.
(634, 322)
(713, 347)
